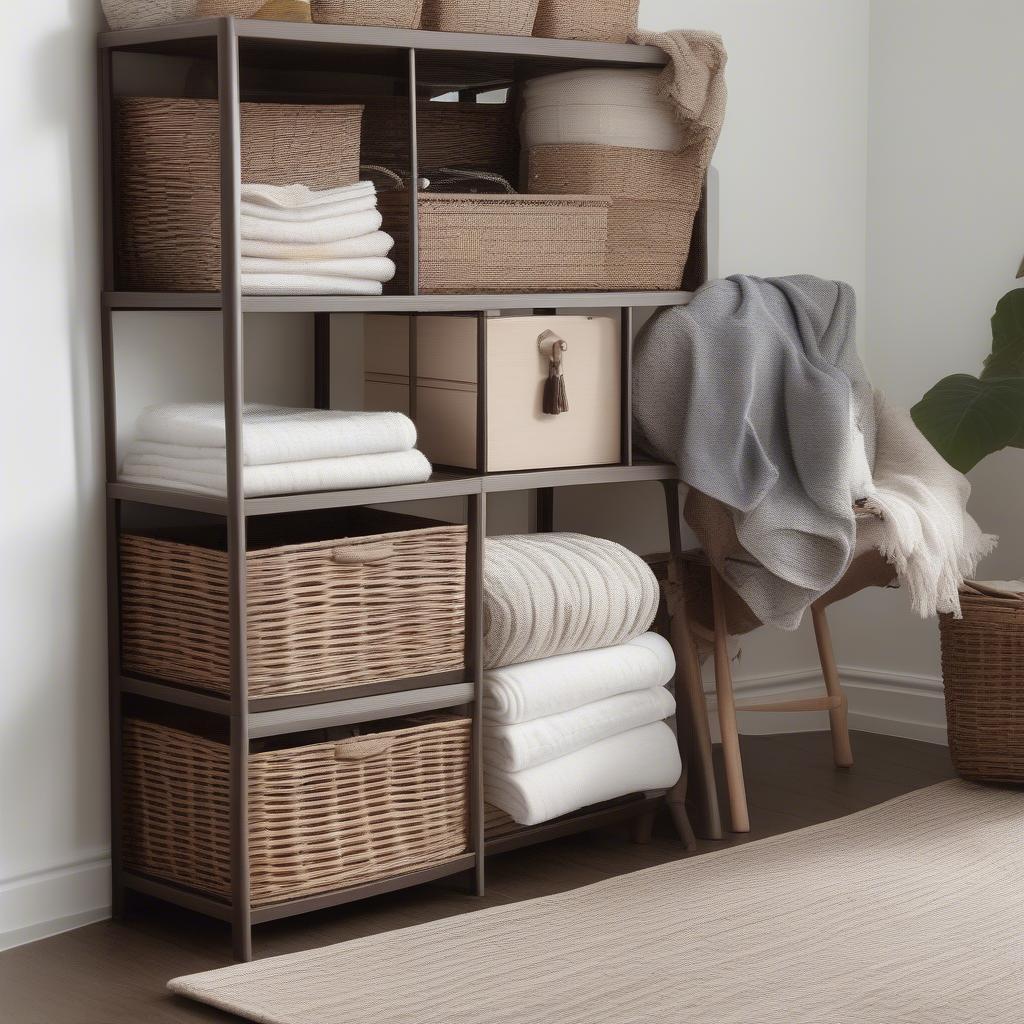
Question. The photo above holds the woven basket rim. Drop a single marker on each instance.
(519, 198)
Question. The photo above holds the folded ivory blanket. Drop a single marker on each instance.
(537, 689)
(308, 214)
(637, 761)
(513, 748)
(559, 593)
(299, 197)
(308, 284)
(377, 243)
(274, 434)
(756, 392)
(366, 268)
(316, 232)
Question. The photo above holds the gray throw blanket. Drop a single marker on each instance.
(756, 392)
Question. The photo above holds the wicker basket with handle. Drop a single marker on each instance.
(983, 677)
(322, 816)
(496, 17)
(608, 21)
(168, 173)
(321, 614)
(373, 13)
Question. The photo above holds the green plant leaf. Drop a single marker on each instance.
(1008, 331)
(966, 418)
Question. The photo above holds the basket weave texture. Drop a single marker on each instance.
(168, 173)
(608, 21)
(320, 615)
(983, 677)
(321, 817)
(655, 196)
(375, 13)
(267, 10)
(496, 17)
(123, 14)
(480, 243)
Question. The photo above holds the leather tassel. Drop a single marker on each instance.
(555, 399)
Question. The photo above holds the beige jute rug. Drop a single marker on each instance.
(911, 912)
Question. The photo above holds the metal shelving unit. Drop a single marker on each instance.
(231, 44)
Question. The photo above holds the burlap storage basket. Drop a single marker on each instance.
(374, 13)
(495, 17)
(608, 21)
(322, 816)
(321, 614)
(654, 199)
(983, 676)
(476, 243)
(268, 10)
(168, 175)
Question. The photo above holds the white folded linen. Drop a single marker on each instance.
(513, 748)
(366, 268)
(382, 470)
(317, 232)
(308, 284)
(377, 243)
(306, 214)
(292, 197)
(273, 434)
(536, 689)
(637, 761)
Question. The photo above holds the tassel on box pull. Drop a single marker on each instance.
(555, 399)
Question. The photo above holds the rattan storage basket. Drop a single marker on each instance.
(654, 199)
(473, 243)
(496, 17)
(322, 816)
(168, 174)
(268, 10)
(983, 676)
(385, 601)
(609, 21)
(374, 13)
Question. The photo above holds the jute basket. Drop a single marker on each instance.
(266, 10)
(322, 816)
(322, 613)
(374, 13)
(126, 14)
(654, 199)
(168, 173)
(609, 21)
(983, 676)
(473, 243)
(495, 17)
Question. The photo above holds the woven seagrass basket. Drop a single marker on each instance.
(983, 677)
(267, 10)
(168, 174)
(479, 243)
(654, 198)
(125, 14)
(384, 602)
(374, 13)
(608, 21)
(495, 17)
(322, 816)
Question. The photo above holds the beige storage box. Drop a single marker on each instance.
(519, 435)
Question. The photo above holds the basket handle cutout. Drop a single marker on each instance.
(364, 555)
(362, 748)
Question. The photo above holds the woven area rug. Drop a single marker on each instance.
(911, 912)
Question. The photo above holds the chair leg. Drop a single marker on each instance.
(727, 713)
(643, 827)
(838, 718)
(675, 798)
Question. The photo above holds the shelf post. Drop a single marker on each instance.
(414, 178)
(626, 385)
(231, 322)
(322, 360)
(477, 530)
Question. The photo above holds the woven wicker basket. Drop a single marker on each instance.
(169, 178)
(983, 676)
(267, 10)
(495, 17)
(375, 13)
(477, 243)
(649, 237)
(124, 14)
(322, 816)
(609, 21)
(321, 613)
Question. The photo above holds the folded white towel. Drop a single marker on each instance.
(273, 434)
(536, 689)
(307, 284)
(307, 214)
(513, 748)
(382, 470)
(292, 197)
(367, 268)
(377, 243)
(637, 761)
(317, 232)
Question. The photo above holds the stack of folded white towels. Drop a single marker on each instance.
(300, 241)
(284, 451)
(575, 686)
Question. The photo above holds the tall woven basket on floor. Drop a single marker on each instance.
(983, 676)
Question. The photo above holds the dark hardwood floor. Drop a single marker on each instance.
(115, 972)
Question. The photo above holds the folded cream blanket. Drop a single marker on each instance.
(308, 284)
(308, 214)
(377, 243)
(512, 748)
(366, 268)
(383, 470)
(537, 689)
(637, 761)
(274, 434)
(317, 232)
(559, 593)
(294, 197)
